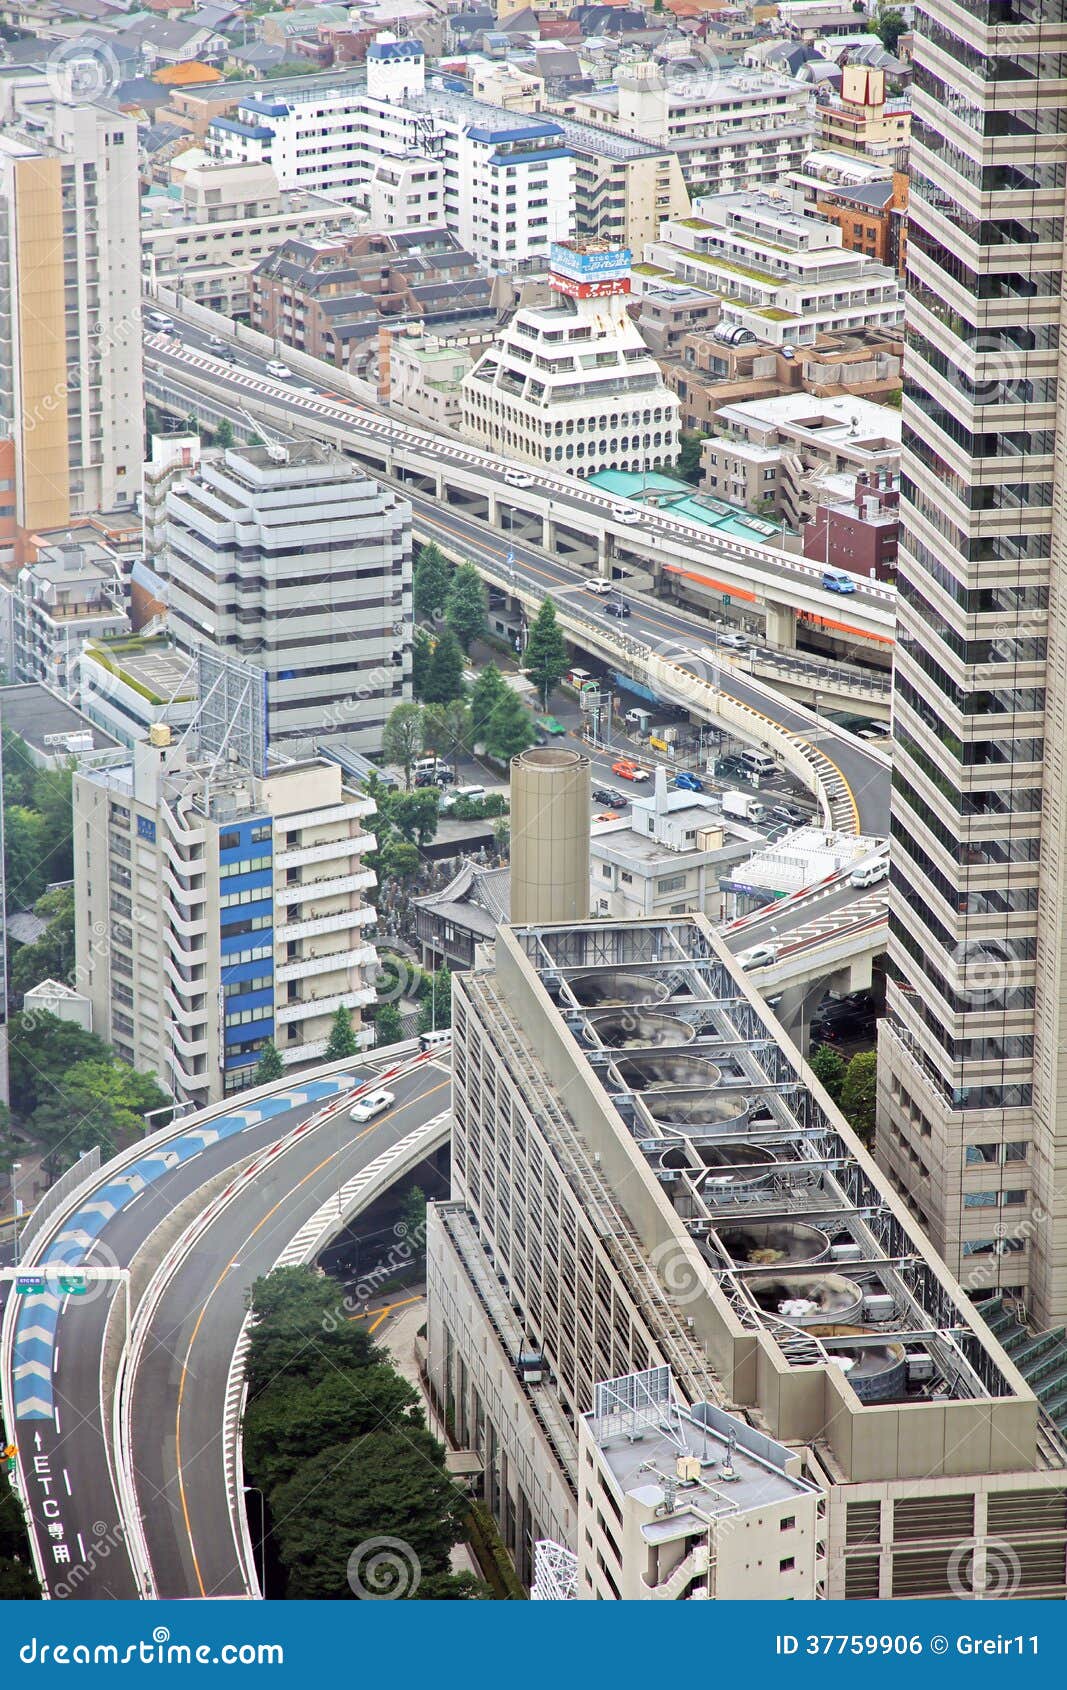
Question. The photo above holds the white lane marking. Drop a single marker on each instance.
(55, 1359)
(66, 1481)
(81, 1546)
(55, 1417)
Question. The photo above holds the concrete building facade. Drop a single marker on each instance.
(653, 1179)
(293, 559)
(70, 288)
(215, 910)
(70, 594)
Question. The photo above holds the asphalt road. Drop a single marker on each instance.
(180, 1389)
(64, 1463)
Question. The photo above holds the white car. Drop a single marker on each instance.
(516, 478)
(734, 642)
(277, 368)
(625, 514)
(869, 874)
(600, 587)
(758, 956)
(371, 1105)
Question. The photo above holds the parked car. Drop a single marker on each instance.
(757, 956)
(425, 777)
(374, 1103)
(685, 782)
(445, 776)
(629, 771)
(836, 581)
(617, 607)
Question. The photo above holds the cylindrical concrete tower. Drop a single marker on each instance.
(550, 835)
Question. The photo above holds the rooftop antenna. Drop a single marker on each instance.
(728, 1471)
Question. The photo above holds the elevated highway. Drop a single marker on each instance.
(561, 513)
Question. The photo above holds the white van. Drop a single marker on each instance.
(757, 764)
(424, 766)
(434, 1041)
(455, 792)
(869, 874)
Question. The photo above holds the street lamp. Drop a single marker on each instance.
(15, 1168)
(248, 1489)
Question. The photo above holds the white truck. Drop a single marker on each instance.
(742, 807)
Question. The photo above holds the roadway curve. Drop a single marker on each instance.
(65, 1459)
(179, 1394)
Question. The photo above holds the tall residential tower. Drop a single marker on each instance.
(973, 1083)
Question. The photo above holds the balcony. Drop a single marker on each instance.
(365, 956)
(350, 846)
(363, 917)
(306, 1007)
(305, 891)
(316, 1047)
(353, 811)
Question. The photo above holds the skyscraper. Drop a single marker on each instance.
(972, 1080)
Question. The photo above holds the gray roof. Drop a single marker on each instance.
(476, 898)
(33, 710)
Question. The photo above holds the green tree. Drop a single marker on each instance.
(42, 1049)
(859, 1094)
(25, 854)
(385, 1483)
(342, 1040)
(415, 814)
(399, 858)
(388, 1025)
(444, 677)
(430, 581)
(889, 25)
(421, 654)
(402, 738)
(828, 1066)
(224, 433)
(510, 728)
(545, 659)
(413, 1217)
(20, 772)
(287, 1426)
(465, 606)
(51, 957)
(297, 1329)
(687, 465)
(53, 800)
(270, 1065)
(447, 727)
(95, 1103)
(486, 694)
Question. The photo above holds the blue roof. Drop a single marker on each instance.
(514, 132)
(254, 131)
(395, 50)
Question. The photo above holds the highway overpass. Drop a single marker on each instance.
(562, 514)
(126, 1437)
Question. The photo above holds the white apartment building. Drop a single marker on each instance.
(72, 593)
(205, 235)
(233, 908)
(666, 857)
(295, 560)
(731, 131)
(573, 383)
(779, 273)
(70, 289)
(507, 178)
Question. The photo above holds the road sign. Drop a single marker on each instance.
(30, 1282)
(73, 1285)
(725, 598)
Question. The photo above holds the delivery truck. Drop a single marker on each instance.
(742, 807)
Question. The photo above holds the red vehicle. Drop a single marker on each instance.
(628, 771)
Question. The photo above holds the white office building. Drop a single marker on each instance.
(507, 178)
(217, 909)
(573, 383)
(295, 560)
(72, 593)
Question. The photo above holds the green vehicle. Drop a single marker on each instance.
(549, 725)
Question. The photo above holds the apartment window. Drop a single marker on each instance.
(787, 1523)
(1013, 1198)
(980, 1200)
(788, 1564)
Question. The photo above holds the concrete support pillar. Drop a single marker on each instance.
(548, 534)
(781, 626)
